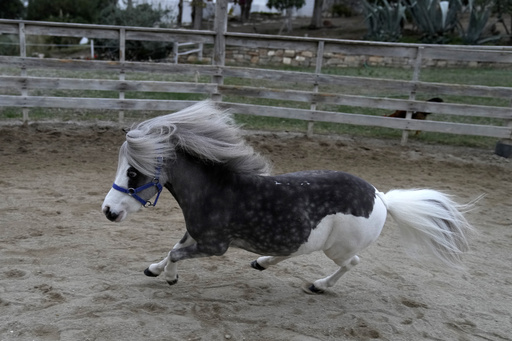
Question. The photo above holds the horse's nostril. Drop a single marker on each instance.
(112, 216)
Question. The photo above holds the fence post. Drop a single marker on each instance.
(175, 48)
(122, 59)
(412, 93)
(219, 50)
(23, 54)
(318, 69)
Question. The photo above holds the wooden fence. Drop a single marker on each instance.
(312, 96)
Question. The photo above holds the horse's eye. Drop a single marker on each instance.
(132, 174)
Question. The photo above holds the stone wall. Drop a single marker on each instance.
(255, 57)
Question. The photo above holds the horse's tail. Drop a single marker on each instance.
(431, 221)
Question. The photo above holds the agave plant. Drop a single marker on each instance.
(384, 21)
(435, 19)
(478, 17)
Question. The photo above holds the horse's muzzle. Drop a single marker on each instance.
(112, 216)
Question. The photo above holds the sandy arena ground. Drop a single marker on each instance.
(67, 273)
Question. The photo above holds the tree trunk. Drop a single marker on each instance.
(316, 19)
(289, 12)
(197, 14)
(179, 19)
(245, 9)
(287, 23)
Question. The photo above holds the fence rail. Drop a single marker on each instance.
(323, 105)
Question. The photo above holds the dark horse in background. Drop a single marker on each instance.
(229, 199)
(416, 115)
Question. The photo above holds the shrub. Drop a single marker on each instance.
(384, 21)
(435, 19)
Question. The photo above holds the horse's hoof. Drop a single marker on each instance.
(148, 273)
(174, 281)
(310, 289)
(256, 266)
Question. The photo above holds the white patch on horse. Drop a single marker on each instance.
(345, 232)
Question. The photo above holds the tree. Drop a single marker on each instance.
(140, 15)
(478, 16)
(245, 9)
(384, 20)
(316, 19)
(179, 18)
(78, 11)
(436, 19)
(12, 9)
(286, 6)
(197, 13)
(504, 8)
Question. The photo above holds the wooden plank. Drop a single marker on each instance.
(363, 50)
(14, 82)
(401, 86)
(412, 92)
(221, 28)
(62, 31)
(366, 120)
(93, 103)
(272, 75)
(205, 37)
(73, 64)
(309, 43)
(170, 68)
(465, 90)
(269, 42)
(370, 102)
(277, 75)
(478, 55)
(76, 64)
(302, 114)
(8, 28)
(106, 31)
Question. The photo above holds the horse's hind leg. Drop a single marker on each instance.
(265, 261)
(319, 286)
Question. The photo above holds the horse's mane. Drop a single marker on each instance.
(200, 130)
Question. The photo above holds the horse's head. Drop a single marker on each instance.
(202, 131)
(131, 190)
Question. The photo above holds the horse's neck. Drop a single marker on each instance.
(191, 178)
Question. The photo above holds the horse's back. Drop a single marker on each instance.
(331, 192)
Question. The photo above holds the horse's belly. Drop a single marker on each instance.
(276, 243)
(346, 233)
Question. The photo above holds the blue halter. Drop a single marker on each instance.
(156, 183)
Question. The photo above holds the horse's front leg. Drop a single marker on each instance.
(169, 268)
(212, 247)
(186, 250)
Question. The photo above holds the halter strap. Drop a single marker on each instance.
(156, 183)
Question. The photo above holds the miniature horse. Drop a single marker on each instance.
(228, 199)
